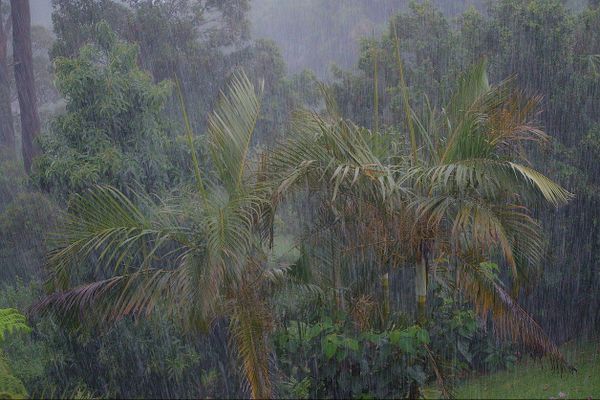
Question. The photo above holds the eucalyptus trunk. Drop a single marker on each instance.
(23, 65)
(7, 132)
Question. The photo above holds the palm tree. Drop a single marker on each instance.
(457, 197)
(198, 256)
(472, 192)
(341, 163)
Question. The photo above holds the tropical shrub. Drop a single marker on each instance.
(328, 360)
(113, 130)
(25, 223)
(131, 359)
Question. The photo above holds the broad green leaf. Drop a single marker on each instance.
(330, 346)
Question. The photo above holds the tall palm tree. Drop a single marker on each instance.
(342, 164)
(456, 197)
(472, 191)
(199, 256)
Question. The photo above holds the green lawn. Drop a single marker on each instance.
(535, 380)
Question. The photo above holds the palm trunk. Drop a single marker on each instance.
(23, 60)
(385, 284)
(7, 132)
(336, 278)
(421, 289)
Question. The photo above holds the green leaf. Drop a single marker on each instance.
(423, 336)
(405, 340)
(407, 344)
(330, 346)
(394, 337)
(352, 344)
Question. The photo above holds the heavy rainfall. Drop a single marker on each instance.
(300, 199)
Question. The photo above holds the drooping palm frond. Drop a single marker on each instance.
(511, 321)
(104, 225)
(111, 299)
(510, 229)
(230, 129)
(250, 324)
(477, 222)
(549, 190)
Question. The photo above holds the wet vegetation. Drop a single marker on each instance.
(181, 217)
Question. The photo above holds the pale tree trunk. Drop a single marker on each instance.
(7, 132)
(30, 122)
(421, 290)
(421, 282)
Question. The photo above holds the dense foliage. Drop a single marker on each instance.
(524, 40)
(113, 121)
(202, 223)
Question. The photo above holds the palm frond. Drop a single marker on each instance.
(331, 153)
(230, 129)
(510, 319)
(490, 178)
(484, 221)
(114, 298)
(104, 225)
(331, 106)
(551, 192)
(250, 324)
(472, 85)
(484, 119)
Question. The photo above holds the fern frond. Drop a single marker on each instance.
(11, 320)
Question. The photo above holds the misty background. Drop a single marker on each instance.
(314, 34)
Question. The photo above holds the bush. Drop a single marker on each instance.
(25, 223)
(112, 131)
(326, 360)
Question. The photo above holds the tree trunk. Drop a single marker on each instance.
(7, 132)
(385, 285)
(30, 122)
(337, 278)
(421, 289)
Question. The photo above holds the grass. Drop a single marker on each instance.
(530, 379)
